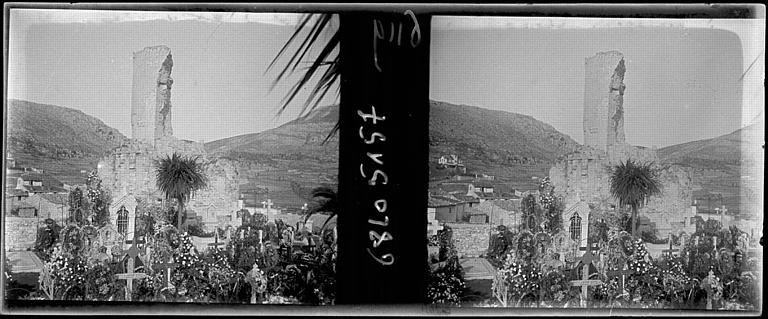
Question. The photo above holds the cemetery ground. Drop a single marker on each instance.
(272, 262)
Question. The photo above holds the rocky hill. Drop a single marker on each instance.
(719, 163)
(512, 147)
(287, 161)
(59, 140)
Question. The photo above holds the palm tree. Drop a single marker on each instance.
(179, 177)
(326, 200)
(631, 184)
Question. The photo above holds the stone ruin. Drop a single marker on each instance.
(584, 175)
(603, 100)
(129, 169)
(151, 94)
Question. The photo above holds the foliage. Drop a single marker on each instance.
(101, 283)
(98, 198)
(553, 207)
(47, 236)
(179, 177)
(521, 279)
(445, 285)
(72, 240)
(78, 207)
(327, 58)
(530, 211)
(632, 183)
(63, 277)
(324, 199)
(501, 243)
(599, 230)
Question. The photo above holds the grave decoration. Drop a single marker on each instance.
(258, 281)
(714, 289)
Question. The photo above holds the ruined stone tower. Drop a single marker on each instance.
(603, 99)
(151, 95)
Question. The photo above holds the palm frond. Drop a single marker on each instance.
(327, 58)
(326, 201)
(180, 177)
(631, 183)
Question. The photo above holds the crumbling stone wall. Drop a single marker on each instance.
(20, 233)
(603, 99)
(471, 240)
(151, 94)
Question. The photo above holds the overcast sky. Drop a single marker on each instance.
(682, 83)
(82, 60)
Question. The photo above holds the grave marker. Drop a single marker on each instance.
(624, 272)
(585, 282)
(167, 267)
(129, 276)
(215, 244)
(669, 252)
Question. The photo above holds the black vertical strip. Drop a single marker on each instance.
(393, 80)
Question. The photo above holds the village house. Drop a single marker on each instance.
(39, 183)
(448, 209)
(451, 161)
(39, 205)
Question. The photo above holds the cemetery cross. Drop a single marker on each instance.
(669, 252)
(585, 282)
(129, 275)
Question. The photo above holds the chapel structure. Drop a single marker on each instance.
(128, 172)
(583, 177)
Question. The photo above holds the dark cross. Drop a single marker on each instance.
(623, 273)
(585, 282)
(167, 267)
(669, 252)
(129, 276)
(216, 242)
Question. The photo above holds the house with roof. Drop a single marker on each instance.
(498, 212)
(447, 208)
(38, 183)
(483, 187)
(40, 205)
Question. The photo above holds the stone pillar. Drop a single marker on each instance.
(603, 100)
(151, 95)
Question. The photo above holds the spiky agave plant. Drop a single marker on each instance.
(631, 184)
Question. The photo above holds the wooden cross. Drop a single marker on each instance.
(129, 276)
(586, 259)
(669, 252)
(167, 266)
(216, 242)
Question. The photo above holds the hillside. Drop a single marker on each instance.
(511, 146)
(288, 160)
(718, 162)
(59, 140)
